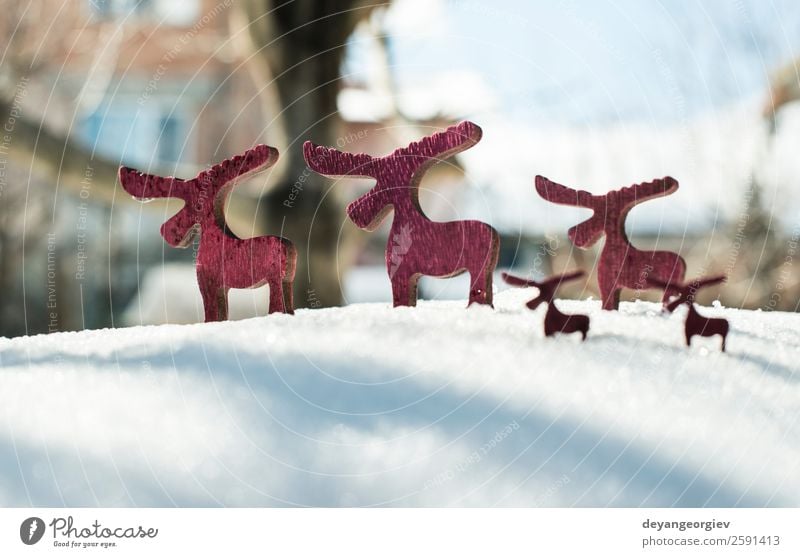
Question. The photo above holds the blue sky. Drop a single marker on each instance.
(599, 61)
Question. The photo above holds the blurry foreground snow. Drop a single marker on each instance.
(437, 405)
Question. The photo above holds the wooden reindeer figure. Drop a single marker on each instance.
(621, 265)
(696, 324)
(224, 261)
(417, 246)
(554, 320)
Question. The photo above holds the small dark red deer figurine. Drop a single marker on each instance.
(696, 324)
(621, 265)
(224, 261)
(417, 246)
(554, 320)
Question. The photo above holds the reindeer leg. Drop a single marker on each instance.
(609, 294)
(222, 303)
(584, 328)
(215, 297)
(404, 290)
(665, 298)
(488, 296)
(480, 290)
(280, 297)
(288, 300)
(724, 333)
(283, 287)
(550, 320)
(276, 301)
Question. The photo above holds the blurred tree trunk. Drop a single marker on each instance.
(300, 45)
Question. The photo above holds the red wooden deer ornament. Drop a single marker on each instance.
(224, 261)
(621, 265)
(417, 246)
(554, 320)
(696, 324)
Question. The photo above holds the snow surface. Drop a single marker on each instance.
(435, 405)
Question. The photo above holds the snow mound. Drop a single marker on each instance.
(434, 405)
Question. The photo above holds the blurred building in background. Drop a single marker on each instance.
(149, 84)
(168, 87)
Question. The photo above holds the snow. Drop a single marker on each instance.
(435, 405)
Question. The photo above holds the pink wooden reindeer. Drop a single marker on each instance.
(696, 324)
(621, 265)
(417, 246)
(224, 261)
(554, 320)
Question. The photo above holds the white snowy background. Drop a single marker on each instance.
(436, 405)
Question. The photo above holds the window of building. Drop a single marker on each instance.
(165, 12)
(169, 140)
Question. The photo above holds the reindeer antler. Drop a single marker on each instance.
(442, 145)
(556, 193)
(563, 278)
(146, 186)
(331, 162)
(547, 288)
(241, 166)
(686, 290)
(696, 284)
(518, 281)
(648, 190)
(589, 231)
(709, 281)
(657, 283)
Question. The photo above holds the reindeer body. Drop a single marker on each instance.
(557, 322)
(554, 320)
(435, 249)
(621, 265)
(224, 261)
(417, 246)
(697, 325)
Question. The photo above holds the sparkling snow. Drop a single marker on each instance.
(437, 405)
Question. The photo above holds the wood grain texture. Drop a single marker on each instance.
(417, 246)
(696, 324)
(224, 261)
(554, 320)
(621, 265)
